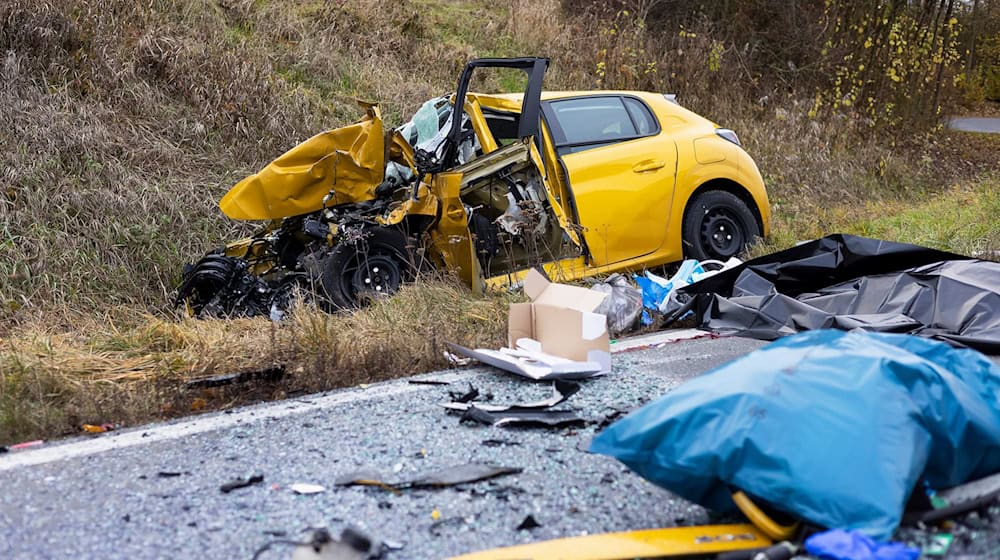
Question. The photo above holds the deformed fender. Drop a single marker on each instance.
(347, 163)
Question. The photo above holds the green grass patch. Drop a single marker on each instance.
(962, 219)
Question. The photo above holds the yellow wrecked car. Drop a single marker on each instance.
(487, 186)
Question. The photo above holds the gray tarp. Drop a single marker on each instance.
(846, 282)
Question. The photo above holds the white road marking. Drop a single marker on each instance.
(280, 409)
(657, 338)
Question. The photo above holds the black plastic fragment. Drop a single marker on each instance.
(528, 524)
(241, 483)
(957, 500)
(428, 382)
(469, 396)
(547, 418)
(499, 442)
(561, 390)
(269, 375)
(846, 282)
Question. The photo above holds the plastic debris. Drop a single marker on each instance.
(953, 501)
(241, 483)
(838, 544)
(269, 375)
(306, 489)
(660, 294)
(469, 396)
(25, 445)
(791, 399)
(623, 304)
(847, 282)
(939, 545)
(548, 418)
(561, 390)
(528, 524)
(441, 478)
(171, 474)
(673, 542)
(98, 428)
(527, 360)
(352, 545)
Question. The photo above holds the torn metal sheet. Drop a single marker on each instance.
(441, 478)
(529, 417)
(650, 543)
(847, 282)
(561, 390)
(531, 364)
(303, 178)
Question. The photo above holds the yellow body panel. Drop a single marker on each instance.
(623, 194)
(351, 158)
(626, 199)
(651, 543)
(635, 220)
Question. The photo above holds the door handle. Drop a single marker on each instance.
(648, 165)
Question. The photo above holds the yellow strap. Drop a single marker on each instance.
(757, 516)
(649, 543)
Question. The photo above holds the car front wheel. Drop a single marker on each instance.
(718, 225)
(374, 266)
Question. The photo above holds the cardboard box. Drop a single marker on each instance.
(561, 319)
(555, 336)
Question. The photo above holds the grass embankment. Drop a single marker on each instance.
(123, 124)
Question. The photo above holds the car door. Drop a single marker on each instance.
(620, 169)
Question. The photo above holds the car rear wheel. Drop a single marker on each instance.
(718, 225)
(375, 266)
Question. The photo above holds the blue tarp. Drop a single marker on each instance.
(833, 427)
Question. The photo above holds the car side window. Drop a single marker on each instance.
(641, 116)
(591, 122)
(592, 119)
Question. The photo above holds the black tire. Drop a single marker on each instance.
(718, 225)
(354, 273)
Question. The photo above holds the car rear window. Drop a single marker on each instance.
(641, 116)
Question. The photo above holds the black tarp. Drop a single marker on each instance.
(846, 282)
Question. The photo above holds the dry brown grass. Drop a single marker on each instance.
(128, 370)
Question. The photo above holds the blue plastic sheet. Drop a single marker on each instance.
(833, 427)
(656, 290)
(851, 545)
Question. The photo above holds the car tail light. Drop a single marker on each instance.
(729, 135)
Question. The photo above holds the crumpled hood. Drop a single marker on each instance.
(347, 161)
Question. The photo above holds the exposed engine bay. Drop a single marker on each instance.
(354, 213)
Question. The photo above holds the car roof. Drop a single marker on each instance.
(507, 98)
(512, 101)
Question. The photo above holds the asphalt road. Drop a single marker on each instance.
(975, 124)
(105, 497)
